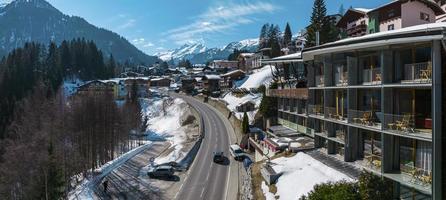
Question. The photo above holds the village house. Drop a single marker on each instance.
(245, 61)
(392, 16)
(211, 84)
(227, 80)
(98, 87)
(188, 84)
(160, 82)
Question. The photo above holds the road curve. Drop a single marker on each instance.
(206, 179)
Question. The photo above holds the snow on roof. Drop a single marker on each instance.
(246, 54)
(233, 72)
(158, 79)
(295, 56)
(212, 77)
(364, 10)
(262, 76)
(425, 28)
(307, 170)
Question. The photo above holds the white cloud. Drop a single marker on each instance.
(219, 19)
(149, 44)
(127, 24)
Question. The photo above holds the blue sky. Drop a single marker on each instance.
(157, 25)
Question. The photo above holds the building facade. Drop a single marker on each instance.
(374, 102)
(391, 16)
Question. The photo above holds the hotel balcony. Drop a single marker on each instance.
(320, 81)
(340, 134)
(370, 119)
(298, 93)
(316, 110)
(371, 76)
(408, 124)
(418, 73)
(336, 114)
(341, 79)
(357, 30)
(414, 177)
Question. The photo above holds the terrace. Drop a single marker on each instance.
(418, 73)
(371, 76)
(316, 110)
(411, 113)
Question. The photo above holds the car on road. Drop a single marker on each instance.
(236, 151)
(161, 171)
(219, 157)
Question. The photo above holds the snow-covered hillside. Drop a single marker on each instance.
(259, 77)
(198, 53)
(262, 76)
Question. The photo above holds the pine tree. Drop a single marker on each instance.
(263, 39)
(245, 123)
(287, 36)
(274, 40)
(318, 23)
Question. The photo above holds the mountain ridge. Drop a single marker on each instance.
(188, 51)
(38, 21)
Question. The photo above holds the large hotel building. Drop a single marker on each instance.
(375, 99)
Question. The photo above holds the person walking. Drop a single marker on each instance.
(105, 184)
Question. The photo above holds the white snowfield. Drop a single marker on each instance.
(300, 174)
(165, 123)
(262, 76)
(233, 101)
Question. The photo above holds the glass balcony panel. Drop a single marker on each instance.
(418, 73)
(371, 119)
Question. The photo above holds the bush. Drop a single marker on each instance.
(334, 191)
(373, 187)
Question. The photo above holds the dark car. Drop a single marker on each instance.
(219, 157)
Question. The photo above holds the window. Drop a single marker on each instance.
(391, 27)
(391, 13)
(424, 16)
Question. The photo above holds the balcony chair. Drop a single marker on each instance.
(426, 74)
(404, 124)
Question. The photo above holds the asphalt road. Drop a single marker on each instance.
(206, 179)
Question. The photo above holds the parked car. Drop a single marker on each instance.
(161, 171)
(236, 151)
(219, 157)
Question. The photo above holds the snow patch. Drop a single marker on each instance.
(268, 195)
(262, 76)
(307, 170)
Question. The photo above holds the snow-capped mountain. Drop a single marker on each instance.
(197, 53)
(24, 21)
(187, 51)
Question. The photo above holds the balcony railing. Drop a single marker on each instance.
(341, 79)
(334, 114)
(418, 176)
(418, 72)
(357, 30)
(315, 110)
(406, 124)
(372, 76)
(320, 81)
(371, 119)
(340, 134)
(298, 93)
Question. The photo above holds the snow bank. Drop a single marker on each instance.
(308, 171)
(233, 101)
(262, 76)
(164, 116)
(268, 195)
(86, 188)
